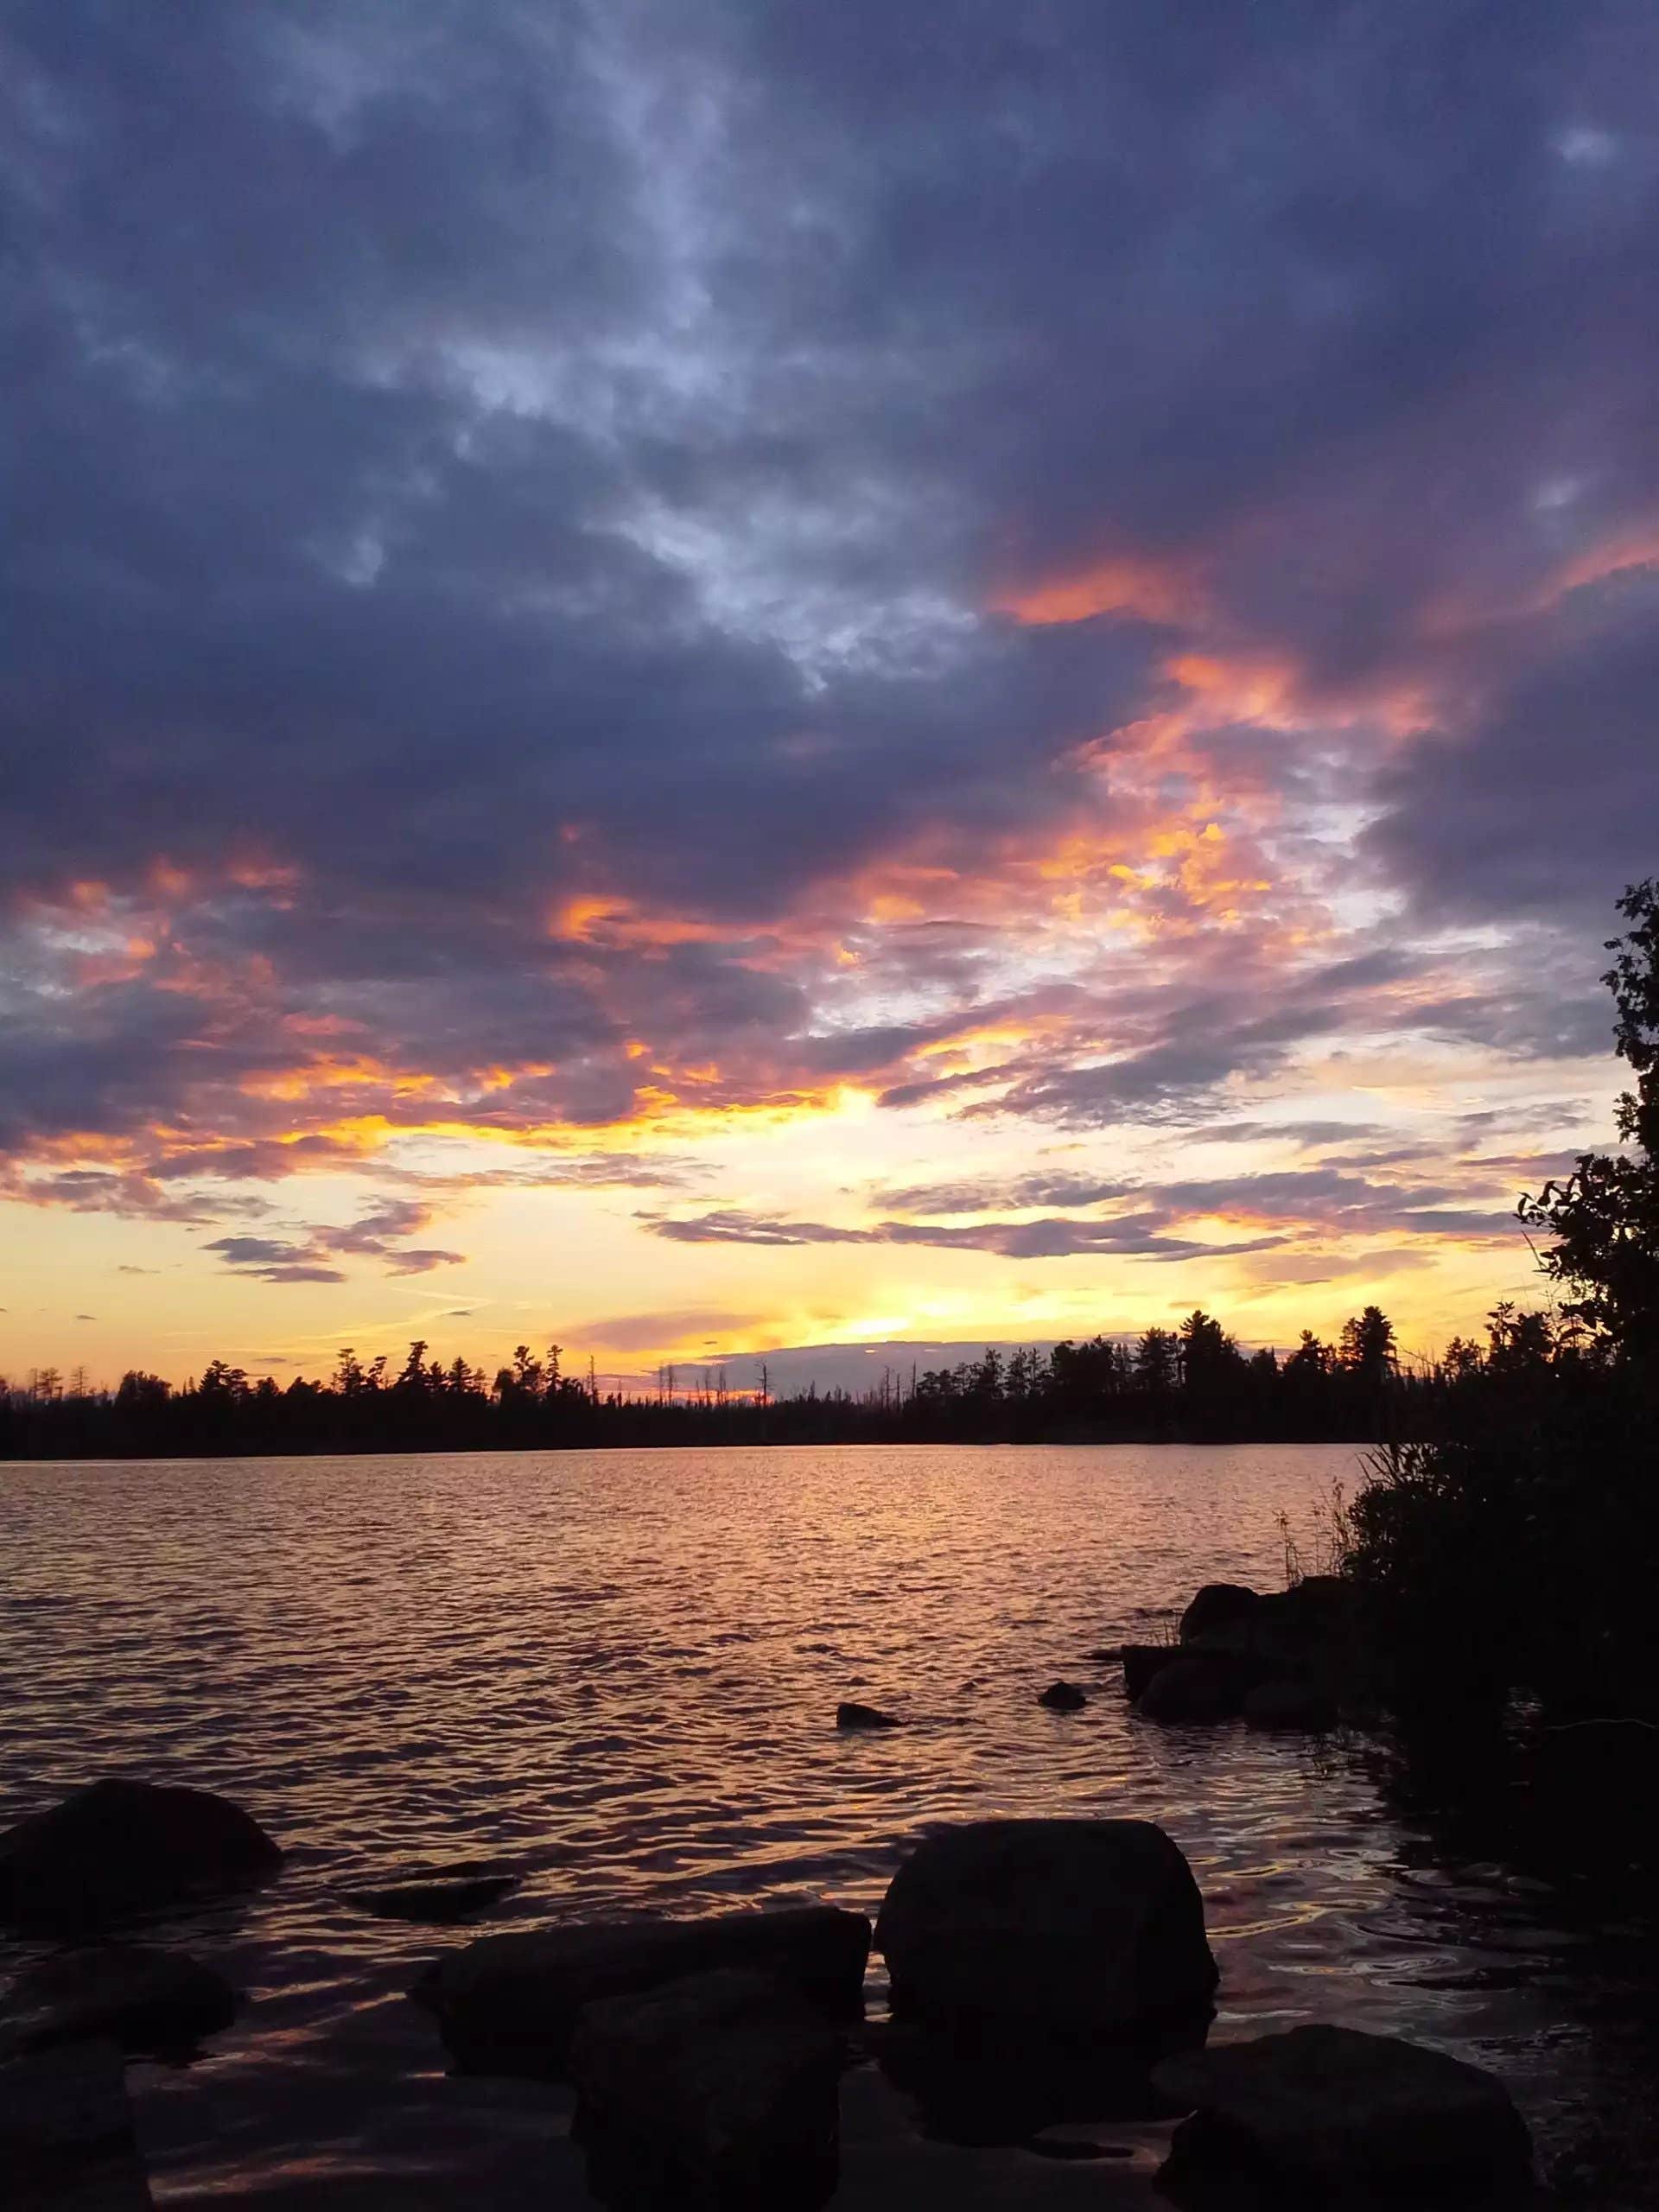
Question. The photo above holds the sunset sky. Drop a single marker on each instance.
(701, 676)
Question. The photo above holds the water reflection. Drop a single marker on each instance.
(620, 1673)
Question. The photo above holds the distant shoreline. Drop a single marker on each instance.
(687, 1444)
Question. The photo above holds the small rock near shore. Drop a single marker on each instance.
(1331, 2109)
(509, 2004)
(144, 1999)
(1061, 1929)
(720, 2090)
(1063, 1697)
(850, 1714)
(120, 1847)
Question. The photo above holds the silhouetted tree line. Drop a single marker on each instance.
(1515, 1554)
(1193, 1382)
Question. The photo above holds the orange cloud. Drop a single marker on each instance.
(621, 924)
(1143, 585)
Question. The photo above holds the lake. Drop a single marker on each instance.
(622, 1670)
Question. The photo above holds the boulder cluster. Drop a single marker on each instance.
(1280, 1659)
(1038, 1970)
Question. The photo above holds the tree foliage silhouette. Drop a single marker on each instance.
(1604, 1218)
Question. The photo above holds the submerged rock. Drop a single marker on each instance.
(1331, 2109)
(508, 2004)
(1196, 1686)
(118, 1847)
(853, 1715)
(1061, 1929)
(719, 2091)
(1063, 1697)
(438, 1899)
(142, 1998)
(66, 2133)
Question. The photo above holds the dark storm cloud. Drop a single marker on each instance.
(1552, 803)
(1038, 1190)
(1473, 1201)
(1138, 1237)
(308, 1255)
(460, 459)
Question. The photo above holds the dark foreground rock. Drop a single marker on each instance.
(144, 1999)
(1063, 1697)
(436, 1899)
(854, 1715)
(508, 2004)
(66, 2133)
(1053, 1929)
(716, 2093)
(118, 1847)
(1331, 2110)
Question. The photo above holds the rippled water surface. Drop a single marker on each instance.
(622, 1670)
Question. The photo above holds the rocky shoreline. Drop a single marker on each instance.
(1043, 1973)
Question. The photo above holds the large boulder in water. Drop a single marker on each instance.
(119, 1847)
(1142, 1662)
(1196, 1686)
(144, 1999)
(1217, 1606)
(1057, 1929)
(1331, 2110)
(508, 2004)
(720, 2091)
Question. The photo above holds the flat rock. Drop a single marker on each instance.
(508, 2004)
(66, 2133)
(719, 2090)
(850, 1714)
(120, 1847)
(1331, 2109)
(1063, 1929)
(142, 1998)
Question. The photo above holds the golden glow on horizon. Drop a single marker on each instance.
(951, 964)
